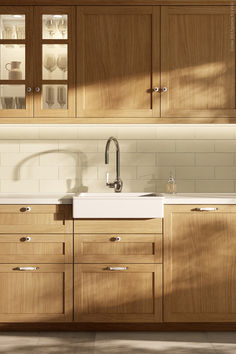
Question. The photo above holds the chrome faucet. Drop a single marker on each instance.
(117, 184)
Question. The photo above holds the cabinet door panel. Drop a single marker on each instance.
(198, 61)
(199, 264)
(118, 61)
(40, 295)
(131, 294)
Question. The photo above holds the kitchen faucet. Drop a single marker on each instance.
(117, 184)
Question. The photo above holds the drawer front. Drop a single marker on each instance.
(116, 248)
(118, 293)
(36, 219)
(36, 292)
(45, 248)
(146, 226)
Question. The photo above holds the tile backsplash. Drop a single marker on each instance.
(70, 158)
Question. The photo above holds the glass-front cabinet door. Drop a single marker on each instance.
(54, 91)
(16, 81)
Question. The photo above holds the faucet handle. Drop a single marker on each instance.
(107, 177)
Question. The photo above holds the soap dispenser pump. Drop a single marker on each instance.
(171, 187)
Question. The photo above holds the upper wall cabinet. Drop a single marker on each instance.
(198, 61)
(118, 61)
(37, 76)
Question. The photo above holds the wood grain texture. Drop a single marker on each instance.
(41, 219)
(199, 264)
(198, 62)
(43, 295)
(131, 226)
(132, 248)
(114, 62)
(132, 295)
(46, 248)
(118, 2)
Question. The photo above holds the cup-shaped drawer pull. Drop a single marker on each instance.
(205, 209)
(117, 268)
(28, 208)
(25, 239)
(26, 268)
(115, 239)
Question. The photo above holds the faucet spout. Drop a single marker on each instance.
(117, 184)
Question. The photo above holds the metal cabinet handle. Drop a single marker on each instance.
(117, 268)
(28, 208)
(29, 89)
(26, 268)
(117, 239)
(205, 209)
(25, 239)
(159, 89)
(37, 89)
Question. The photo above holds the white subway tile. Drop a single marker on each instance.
(38, 145)
(79, 145)
(9, 146)
(225, 146)
(153, 172)
(8, 172)
(19, 159)
(20, 186)
(225, 172)
(127, 172)
(156, 146)
(194, 146)
(214, 159)
(136, 186)
(215, 132)
(77, 172)
(195, 173)
(138, 159)
(59, 158)
(184, 186)
(96, 132)
(175, 159)
(125, 146)
(175, 132)
(224, 186)
(38, 172)
(137, 132)
(60, 186)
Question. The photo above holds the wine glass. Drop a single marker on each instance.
(62, 27)
(62, 63)
(51, 27)
(50, 96)
(61, 96)
(50, 62)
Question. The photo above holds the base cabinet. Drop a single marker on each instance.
(36, 292)
(118, 293)
(200, 263)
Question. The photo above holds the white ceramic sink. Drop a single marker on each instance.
(118, 205)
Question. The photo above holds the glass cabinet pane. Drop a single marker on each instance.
(55, 27)
(12, 61)
(54, 61)
(54, 97)
(12, 26)
(12, 96)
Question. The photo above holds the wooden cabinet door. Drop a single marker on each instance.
(118, 293)
(16, 64)
(118, 61)
(36, 292)
(199, 264)
(198, 61)
(54, 92)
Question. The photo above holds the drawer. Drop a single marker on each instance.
(102, 226)
(118, 292)
(36, 292)
(45, 248)
(116, 248)
(36, 219)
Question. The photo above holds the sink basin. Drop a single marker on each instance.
(118, 205)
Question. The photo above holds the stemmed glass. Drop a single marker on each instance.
(62, 27)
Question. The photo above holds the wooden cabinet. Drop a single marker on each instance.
(36, 292)
(118, 270)
(199, 263)
(36, 263)
(118, 61)
(198, 62)
(118, 293)
(37, 56)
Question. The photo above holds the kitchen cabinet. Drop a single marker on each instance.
(36, 263)
(118, 61)
(37, 62)
(199, 263)
(198, 62)
(118, 293)
(118, 270)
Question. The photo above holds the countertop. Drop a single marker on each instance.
(179, 198)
